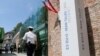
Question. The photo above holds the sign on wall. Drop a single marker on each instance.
(74, 39)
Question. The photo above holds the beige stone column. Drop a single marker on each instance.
(54, 35)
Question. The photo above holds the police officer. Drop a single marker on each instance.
(31, 41)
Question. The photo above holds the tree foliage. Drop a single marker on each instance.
(1, 34)
(1, 40)
(42, 16)
(17, 28)
(23, 30)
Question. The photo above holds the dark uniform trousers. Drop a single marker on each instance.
(30, 48)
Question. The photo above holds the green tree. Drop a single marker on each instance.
(17, 28)
(1, 34)
(23, 30)
(42, 15)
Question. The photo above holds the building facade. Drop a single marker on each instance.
(7, 39)
(92, 10)
(54, 36)
(93, 23)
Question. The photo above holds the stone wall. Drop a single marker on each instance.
(54, 37)
(92, 8)
(94, 14)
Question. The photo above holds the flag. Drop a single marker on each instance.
(46, 6)
(49, 6)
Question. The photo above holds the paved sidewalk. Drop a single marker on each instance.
(20, 54)
(8, 54)
(12, 54)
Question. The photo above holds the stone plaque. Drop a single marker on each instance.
(74, 39)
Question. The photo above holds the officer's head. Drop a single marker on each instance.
(30, 28)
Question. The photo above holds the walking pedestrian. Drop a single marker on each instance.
(11, 48)
(31, 41)
(6, 48)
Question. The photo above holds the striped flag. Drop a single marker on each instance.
(49, 6)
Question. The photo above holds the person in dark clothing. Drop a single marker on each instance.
(11, 49)
(30, 49)
(6, 48)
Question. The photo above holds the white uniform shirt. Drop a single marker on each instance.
(30, 37)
